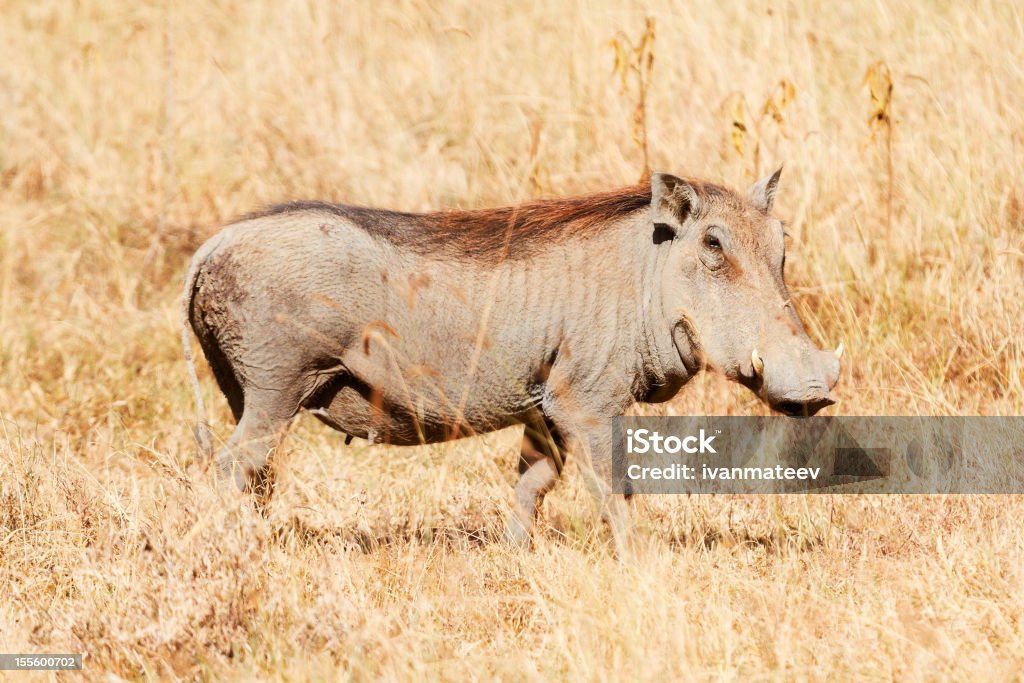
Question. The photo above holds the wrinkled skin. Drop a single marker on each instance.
(307, 309)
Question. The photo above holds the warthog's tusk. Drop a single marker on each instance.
(839, 351)
(757, 362)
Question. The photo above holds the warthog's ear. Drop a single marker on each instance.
(672, 200)
(762, 193)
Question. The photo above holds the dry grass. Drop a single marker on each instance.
(127, 133)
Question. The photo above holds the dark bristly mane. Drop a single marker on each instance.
(511, 231)
(483, 232)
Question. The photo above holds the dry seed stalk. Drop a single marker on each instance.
(634, 62)
(742, 125)
(878, 79)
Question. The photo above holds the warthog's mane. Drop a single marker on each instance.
(494, 234)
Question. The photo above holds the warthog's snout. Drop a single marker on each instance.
(798, 387)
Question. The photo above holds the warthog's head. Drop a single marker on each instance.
(724, 293)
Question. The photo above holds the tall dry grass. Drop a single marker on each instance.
(128, 132)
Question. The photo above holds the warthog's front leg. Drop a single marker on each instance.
(588, 435)
(597, 471)
(540, 463)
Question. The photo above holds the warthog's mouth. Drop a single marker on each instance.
(800, 399)
(802, 409)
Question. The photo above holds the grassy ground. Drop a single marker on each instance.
(128, 132)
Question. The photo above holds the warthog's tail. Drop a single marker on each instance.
(201, 431)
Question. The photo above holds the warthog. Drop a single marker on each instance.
(404, 328)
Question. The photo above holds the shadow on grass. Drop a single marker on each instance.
(353, 538)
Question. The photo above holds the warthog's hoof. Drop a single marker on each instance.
(516, 533)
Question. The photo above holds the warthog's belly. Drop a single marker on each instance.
(358, 411)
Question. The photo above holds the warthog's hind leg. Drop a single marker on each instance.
(540, 464)
(245, 459)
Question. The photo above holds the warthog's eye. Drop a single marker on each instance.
(712, 242)
(713, 253)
